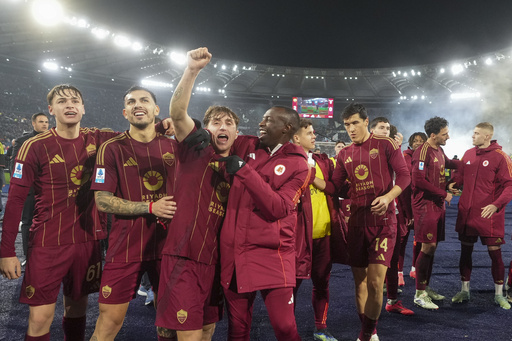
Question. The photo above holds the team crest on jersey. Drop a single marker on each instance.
(441, 170)
(430, 236)
(182, 316)
(30, 291)
(169, 159)
(91, 149)
(106, 291)
(100, 176)
(361, 172)
(78, 176)
(222, 191)
(153, 180)
(374, 153)
(421, 165)
(18, 171)
(485, 163)
(279, 169)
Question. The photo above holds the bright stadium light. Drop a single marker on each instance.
(442, 70)
(100, 33)
(457, 68)
(147, 82)
(465, 95)
(136, 46)
(122, 41)
(51, 66)
(179, 58)
(488, 61)
(47, 12)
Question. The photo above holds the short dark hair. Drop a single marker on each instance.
(37, 114)
(418, 133)
(215, 111)
(290, 117)
(352, 109)
(377, 120)
(61, 90)
(340, 141)
(305, 122)
(434, 125)
(136, 88)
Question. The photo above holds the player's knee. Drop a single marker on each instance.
(208, 331)
(166, 333)
(40, 320)
(286, 330)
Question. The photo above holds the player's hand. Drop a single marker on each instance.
(409, 222)
(10, 267)
(197, 59)
(233, 163)
(399, 138)
(200, 139)
(489, 210)
(380, 205)
(164, 207)
(448, 198)
(452, 189)
(168, 126)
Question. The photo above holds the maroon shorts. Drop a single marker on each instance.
(429, 226)
(489, 241)
(371, 245)
(77, 266)
(191, 296)
(120, 281)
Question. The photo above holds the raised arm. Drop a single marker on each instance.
(183, 123)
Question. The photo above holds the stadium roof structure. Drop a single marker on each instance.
(82, 51)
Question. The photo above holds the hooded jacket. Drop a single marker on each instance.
(486, 177)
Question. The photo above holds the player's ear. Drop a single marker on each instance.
(124, 114)
(157, 111)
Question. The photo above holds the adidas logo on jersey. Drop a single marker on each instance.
(130, 162)
(436, 160)
(348, 160)
(381, 257)
(56, 159)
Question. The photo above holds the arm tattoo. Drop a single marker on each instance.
(108, 203)
(177, 94)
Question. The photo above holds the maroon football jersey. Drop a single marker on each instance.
(59, 169)
(369, 167)
(201, 199)
(136, 171)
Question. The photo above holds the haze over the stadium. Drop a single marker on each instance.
(325, 34)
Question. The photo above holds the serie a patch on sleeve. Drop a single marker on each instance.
(18, 171)
(100, 176)
(421, 165)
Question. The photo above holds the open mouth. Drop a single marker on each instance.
(223, 138)
(70, 113)
(139, 113)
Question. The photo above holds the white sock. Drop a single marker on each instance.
(498, 289)
(465, 286)
(391, 302)
(413, 268)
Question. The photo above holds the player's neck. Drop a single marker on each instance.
(485, 145)
(68, 131)
(143, 135)
(432, 143)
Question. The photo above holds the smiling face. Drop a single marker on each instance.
(418, 141)
(67, 106)
(440, 138)
(273, 128)
(140, 109)
(223, 129)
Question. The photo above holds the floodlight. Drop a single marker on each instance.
(136, 46)
(178, 58)
(488, 61)
(51, 66)
(457, 68)
(223, 67)
(47, 12)
(442, 70)
(100, 33)
(122, 41)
